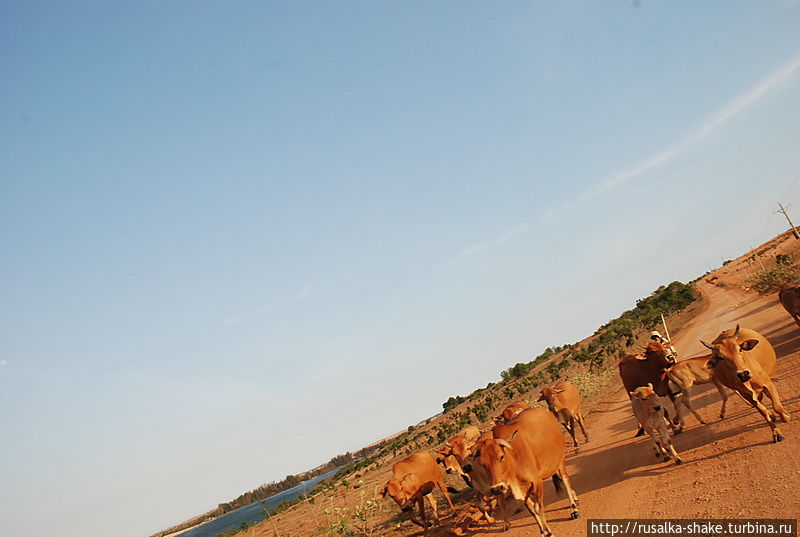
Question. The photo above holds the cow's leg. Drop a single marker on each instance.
(432, 501)
(419, 522)
(750, 397)
(681, 399)
(721, 390)
(672, 421)
(573, 497)
(571, 430)
(772, 393)
(686, 399)
(503, 508)
(486, 508)
(667, 443)
(656, 446)
(534, 501)
(583, 429)
(443, 488)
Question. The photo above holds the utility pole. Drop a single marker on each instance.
(791, 226)
(755, 255)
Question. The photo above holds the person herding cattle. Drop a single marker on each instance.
(412, 479)
(655, 335)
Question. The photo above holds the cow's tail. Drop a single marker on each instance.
(558, 483)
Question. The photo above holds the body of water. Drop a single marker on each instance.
(253, 512)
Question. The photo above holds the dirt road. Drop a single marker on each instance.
(731, 467)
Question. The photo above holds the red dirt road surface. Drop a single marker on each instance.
(731, 467)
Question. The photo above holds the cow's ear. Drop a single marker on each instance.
(541, 397)
(736, 333)
(711, 364)
(632, 394)
(748, 345)
(558, 391)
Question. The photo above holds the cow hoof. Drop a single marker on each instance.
(574, 515)
(678, 461)
(722, 416)
(778, 438)
(785, 417)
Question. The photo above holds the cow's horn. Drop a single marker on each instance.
(736, 333)
(504, 443)
(706, 345)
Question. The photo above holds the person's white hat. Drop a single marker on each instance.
(655, 333)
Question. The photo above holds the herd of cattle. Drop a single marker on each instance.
(508, 464)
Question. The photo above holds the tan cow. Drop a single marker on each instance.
(414, 478)
(686, 374)
(648, 408)
(512, 410)
(790, 300)
(564, 402)
(522, 454)
(744, 361)
(452, 453)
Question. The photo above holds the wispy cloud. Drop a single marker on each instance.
(300, 297)
(482, 247)
(730, 110)
(3, 363)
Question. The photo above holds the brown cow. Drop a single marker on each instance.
(790, 300)
(512, 410)
(564, 402)
(415, 477)
(743, 360)
(685, 374)
(637, 370)
(522, 454)
(649, 410)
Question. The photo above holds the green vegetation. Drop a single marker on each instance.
(772, 280)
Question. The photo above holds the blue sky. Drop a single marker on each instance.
(238, 240)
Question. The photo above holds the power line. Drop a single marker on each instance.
(791, 225)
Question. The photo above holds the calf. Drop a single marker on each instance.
(564, 402)
(743, 360)
(686, 374)
(415, 477)
(648, 408)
